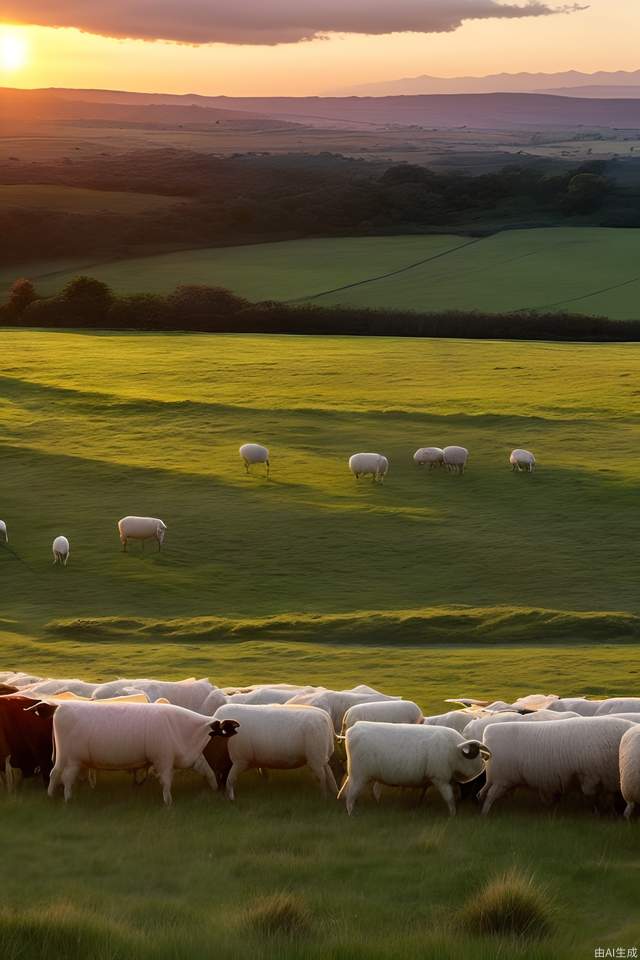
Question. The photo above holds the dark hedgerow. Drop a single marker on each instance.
(88, 304)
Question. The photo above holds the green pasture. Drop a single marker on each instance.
(577, 269)
(95, 427)
(527, 583)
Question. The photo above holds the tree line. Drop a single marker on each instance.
(87, 303)
(253, 198)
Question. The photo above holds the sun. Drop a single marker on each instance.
(13, 51)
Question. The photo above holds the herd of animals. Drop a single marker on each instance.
(65, 729)
(375, 465)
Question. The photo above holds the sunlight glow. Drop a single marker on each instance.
(13, 50)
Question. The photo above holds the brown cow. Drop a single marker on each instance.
(26, 737)
(6, 689)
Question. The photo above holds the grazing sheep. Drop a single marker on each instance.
(455, 459)
(454, 719)
(3, 531)
(369, 464)
(409, 755)
(630, 769)
(279, 737)
(131, 736)
(586, 708)
(551, 757)
(60, 548)
(266, 694)
(254, 453)
(429, 456)
(618, 705)
(49, 687)
(382, 711)
(334, 702)
(141, 528)
(475, 729)
(197, 695)
(522, 460)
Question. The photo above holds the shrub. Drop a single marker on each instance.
(510, 905)
(279, 914)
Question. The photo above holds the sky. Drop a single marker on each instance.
(303, 47)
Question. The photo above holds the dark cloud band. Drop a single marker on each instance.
(264, 21)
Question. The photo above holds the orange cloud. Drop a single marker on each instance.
(265, 23)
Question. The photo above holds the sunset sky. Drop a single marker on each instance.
(297, 47)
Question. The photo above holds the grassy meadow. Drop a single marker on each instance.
(588, 270)
(430, 585)
(79, 200)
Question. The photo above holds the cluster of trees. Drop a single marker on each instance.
(252, 197)
(89, 304)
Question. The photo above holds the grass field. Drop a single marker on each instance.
(98, 426)
(79, 200)
(528, 582)
(579, 269)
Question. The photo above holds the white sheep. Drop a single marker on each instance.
(475, 729)
(551, 757)
(409, 755)
(454, 719)
(369, 464)
(382, 711)
(3, 531)
(251, 453)
(60, 549)
(335, 702)
(429, 456)
(455, 459)
(279, 737)
(522, 460)
(618, 705)
(586, 708)
(630, 769)
(141, 528)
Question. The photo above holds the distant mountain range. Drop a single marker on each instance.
(497, 111)
(564, 83)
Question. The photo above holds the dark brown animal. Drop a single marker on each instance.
(216, 752)
(26, 736)
(6, 689)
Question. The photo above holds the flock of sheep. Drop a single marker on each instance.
(68, 728)
(360, 464)
(377, 466)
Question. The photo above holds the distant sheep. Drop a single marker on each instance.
(141, 528)
(455, 459)
(618, 705)
(454, 719)
(369, 464)
(254, 453)
(3, 531)
(630, 769)
(60, 548)
(475, 729)
(429, 457)
(522, 460)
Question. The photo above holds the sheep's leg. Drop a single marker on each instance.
(351, 789)
(268, 468)
(68, 778)
(236, 769)
(54, 779)
(628, 811)
(246, 466)
(201, 766)
(124, 545)
(495, 791)
(330, 780)
(318, 770)
(446, 792)
(164, 773)
(376, 790)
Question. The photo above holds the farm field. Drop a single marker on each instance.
(79, 200)
(94, 427)
(578, 269)
(527, 582)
